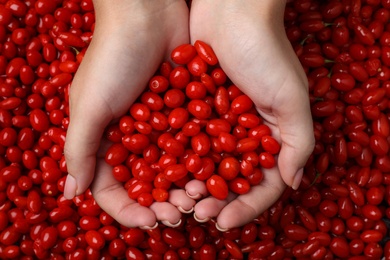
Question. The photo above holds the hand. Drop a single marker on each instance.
(130, 41)
(250, 41)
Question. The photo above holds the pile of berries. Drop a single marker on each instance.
(188, 125)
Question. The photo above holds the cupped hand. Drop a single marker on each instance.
(130, 41)
(250, 41)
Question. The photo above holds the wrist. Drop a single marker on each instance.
(266, 10)
(119, 13)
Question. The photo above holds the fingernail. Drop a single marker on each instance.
(169, 224)
(195, 197)
(201, 220)
(185, 211)
(149, 227)
(221, 229)
(297, 179)
(70, 187)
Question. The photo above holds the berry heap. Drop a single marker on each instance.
(188, 125)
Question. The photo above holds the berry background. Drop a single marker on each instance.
(340, 210)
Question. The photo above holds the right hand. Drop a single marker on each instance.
(250, 42)
(130, 41)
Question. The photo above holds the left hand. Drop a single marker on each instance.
(110, 78)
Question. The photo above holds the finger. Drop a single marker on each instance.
(296, 133)
(248, 206)
(167, 213)
(196, 189)
(126, 211)
(180, 199)
(210, 207)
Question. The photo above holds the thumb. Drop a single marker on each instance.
(96, 98)
(291, 162)
(296, 133)
(84, 134)
(88, 119)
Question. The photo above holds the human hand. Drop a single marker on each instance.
(130, 41)
(250, 41)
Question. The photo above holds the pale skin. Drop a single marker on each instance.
(249, 40)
